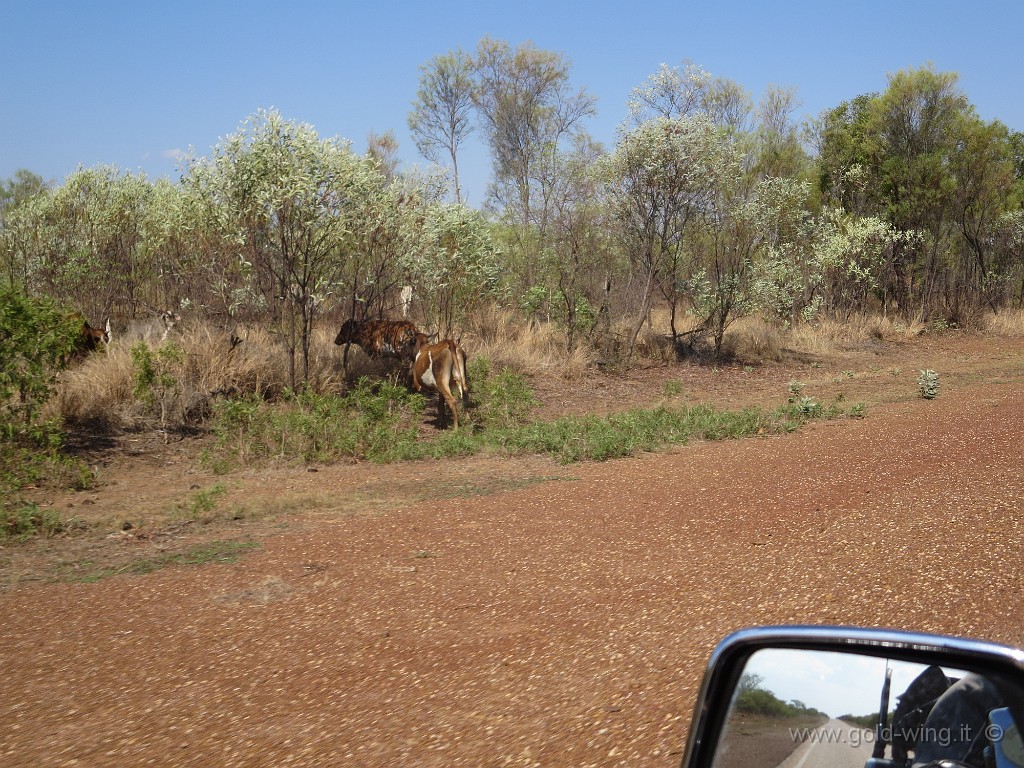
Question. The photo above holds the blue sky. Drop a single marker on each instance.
(835, 683)
(134, 84)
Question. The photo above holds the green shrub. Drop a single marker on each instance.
(375, 421)
(154, 386)
(380, 422)
(928, 384)
(596, 438)
(500, 401)
(23, 519)
(36, 340)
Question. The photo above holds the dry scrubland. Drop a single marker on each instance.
(150, 458)
(203, 365)
(510, 610)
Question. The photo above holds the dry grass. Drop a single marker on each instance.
(532, 349)
(1006, 323)
(194, 366)
(200, 363)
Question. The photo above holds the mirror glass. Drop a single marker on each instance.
(815, 709)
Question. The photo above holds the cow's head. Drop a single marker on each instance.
(410, 341)
(348, 333)
(169, 318)
(93, 338)
(419, 341)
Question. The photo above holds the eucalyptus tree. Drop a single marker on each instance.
(813, 263)
(454, 263)
(787, 276)
(198, 262)
(1011, 236)
(986, 189)
(839, 137)
(918, 157)
(17, 189)
(912, 135)
(674, 92)
(778, 148)
(386, 225)
(441, 117)
(853, 252)
(286, 198)
(382, 148)
(665, 175)
(727, 240)
(83, 242)
(584, 263)
(528, 110)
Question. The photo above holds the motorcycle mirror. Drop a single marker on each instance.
(842, 697)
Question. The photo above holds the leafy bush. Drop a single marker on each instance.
(501, 401)
(36, 340)
(377, 421)
(154, 384)
(928, 384)
(596, 438)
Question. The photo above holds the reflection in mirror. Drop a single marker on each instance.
(815, 709)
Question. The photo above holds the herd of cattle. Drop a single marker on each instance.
(154, 328)
(438, 367)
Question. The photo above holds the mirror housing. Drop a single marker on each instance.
(729, 659)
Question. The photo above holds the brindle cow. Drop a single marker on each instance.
(380, 338)
(441, 368)
(89, 338)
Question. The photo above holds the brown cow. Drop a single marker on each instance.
(441, 368)
(87, 338)
(380, 338)
(92, 338)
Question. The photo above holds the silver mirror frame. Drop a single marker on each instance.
(731, 654)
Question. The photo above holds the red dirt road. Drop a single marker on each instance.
(566, 623)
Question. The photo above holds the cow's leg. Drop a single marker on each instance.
(443, 374)
(442, 417)
(445, 398)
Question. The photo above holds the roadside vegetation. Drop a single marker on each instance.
(763, 730)
(716, 229)
(380, 422)
(222, 552)
(752, 698)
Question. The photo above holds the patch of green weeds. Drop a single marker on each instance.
(201, 505)
(22, 520)
(380, 422)
(503, 400)
(376, 421)
(213, 552)
(32, 456)
(595, 438)
(672, 388)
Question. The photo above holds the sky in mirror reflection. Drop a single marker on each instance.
(835, 683)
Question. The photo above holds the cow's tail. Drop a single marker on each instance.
(459, 371)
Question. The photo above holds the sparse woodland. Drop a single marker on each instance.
(714, 211)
